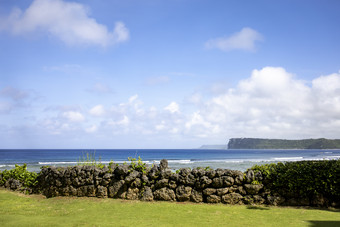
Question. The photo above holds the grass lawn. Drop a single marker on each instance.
(17, 209)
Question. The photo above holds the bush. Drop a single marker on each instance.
(303, 179)
(28, 179)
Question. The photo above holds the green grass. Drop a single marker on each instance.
(21, 210)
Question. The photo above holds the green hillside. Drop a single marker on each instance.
(255, 143)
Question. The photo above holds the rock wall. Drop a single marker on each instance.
(198, 185)
(157, 183)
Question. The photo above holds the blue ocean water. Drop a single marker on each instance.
(178, 158)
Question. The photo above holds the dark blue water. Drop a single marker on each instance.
(178, 158)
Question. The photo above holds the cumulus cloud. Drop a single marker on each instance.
(97, 111)
(270, 103)
(73, 116)
(68, 21)
(242, 40)
(173, 107)
(274, 103)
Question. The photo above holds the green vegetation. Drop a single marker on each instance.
(137, 164)
(89, 159)
(303, 179)
(20, 210)
(254, 143)
(28, 179)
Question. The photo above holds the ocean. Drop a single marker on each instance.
(177, 158)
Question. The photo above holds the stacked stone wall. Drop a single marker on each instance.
(157, 183)
(160, 183)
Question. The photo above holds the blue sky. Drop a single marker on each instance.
(167, 74)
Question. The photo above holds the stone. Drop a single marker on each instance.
(249, 176)
(122, 194)
(209, 191)
(107, 176)
(163, 165)
(132, 176)
(227, 181)
(90, 191)
(188, 179)
(146, 194)
(248, 199)
(198, 172)
(258, 199)
(219, 172)
(196, 196)
(238, 177)
(65, 191)
(114, 189)
(101, 192)
(217, 182)
(183, 193)
(241, 190)
(174, 177)
(58, 183)
(132, 194)
(162, 183)
(213, 199)
(153, 173)
(205, 181)
(14, 184)
(211, 174)
(72, 191)
(253, 189)
(222, 191)
(136, 183)
(232, 198)
(81, 191)
(165, 173)
(172, 184)
(122, 170)
(165, 194)
(145, 179)
(184, 171)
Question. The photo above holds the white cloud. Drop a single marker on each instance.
(73, 116)
(271, 103)
(173, 107)
(68, 21)
(97, 111)
(242, 40)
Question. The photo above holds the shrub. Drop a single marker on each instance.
(137, 164)
(28, 179)
(303, 179)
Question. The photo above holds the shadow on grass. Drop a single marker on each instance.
(324, 223)
(250, 207)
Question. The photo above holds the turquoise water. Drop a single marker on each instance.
(178, 158)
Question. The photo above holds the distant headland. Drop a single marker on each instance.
(256, 143)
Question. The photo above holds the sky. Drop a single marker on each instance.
(167, 74)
